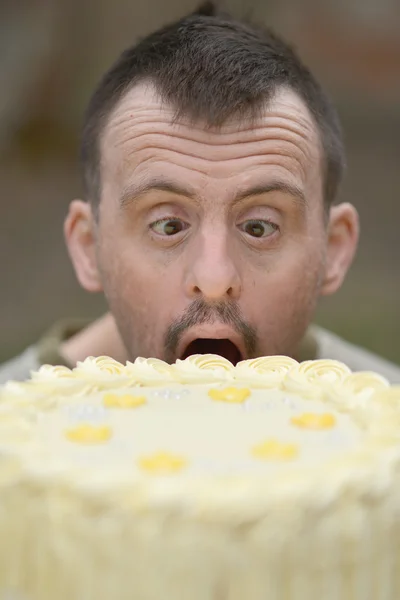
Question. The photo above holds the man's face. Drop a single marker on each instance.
(210, 241)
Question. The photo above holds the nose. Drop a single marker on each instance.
(212, 270)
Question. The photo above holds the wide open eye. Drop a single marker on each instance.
(258, 228)
(169, 226)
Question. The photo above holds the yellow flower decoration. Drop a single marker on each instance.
(274, 450)
(123, 401)
(89, 434)
(162, 463)
(230, 394)
(314, 421)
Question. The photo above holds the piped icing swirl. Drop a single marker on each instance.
(50, 372)
(149, 371)
(101, 373)
(357, 388)
(382, 412)
(313, 377)
(267, 371)
(20, 391)
(116, 420)
(203, 368)
(58, 380)
(103, 365)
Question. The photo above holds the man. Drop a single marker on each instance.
(212, 160)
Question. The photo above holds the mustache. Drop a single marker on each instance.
(200, 313)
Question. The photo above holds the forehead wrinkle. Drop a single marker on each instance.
(142, 105)
(204, 172)
(285, 147)
(200, 131)
(294, 137)
(272, 136)
(131, 111)
(265, 158)
(281, 133)
(258, 132)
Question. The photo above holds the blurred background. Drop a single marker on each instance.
(52, 53)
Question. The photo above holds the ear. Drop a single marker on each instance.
(343, 233)
(79, 232)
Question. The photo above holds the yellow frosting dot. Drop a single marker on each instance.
(162, 462)
(274, 450)
(89, 434)
(123, 401)
(314, 421)
(230, 394)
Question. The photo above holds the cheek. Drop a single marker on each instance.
(136, 283)
(285, 285)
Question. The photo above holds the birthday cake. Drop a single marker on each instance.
(270, 480)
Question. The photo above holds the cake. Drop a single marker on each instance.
(270, 480)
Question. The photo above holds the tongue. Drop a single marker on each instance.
(223, 348)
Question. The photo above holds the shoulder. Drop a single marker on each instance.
(47, 350)
(20, 367)
(331, 346)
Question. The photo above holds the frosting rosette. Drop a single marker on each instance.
(13, 389)
(149, 371)
(101, 373)
(381, 413)
(47, 372)
(313, 378)
(203, 368)
(267, 371)
(357, 388)
(390, 396)
(102, 364)
(23, 393)
(58, 380)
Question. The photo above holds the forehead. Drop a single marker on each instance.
(143, 135)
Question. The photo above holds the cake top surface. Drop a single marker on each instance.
(266, 426)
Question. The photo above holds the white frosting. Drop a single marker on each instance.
(187, 421)
(203, 368)
(195, 427)
(280, 481)
(50, 372)
(265, 372)
(150, 371)
(101, 373)
(357, 388)
(101, 365)
(313, 377)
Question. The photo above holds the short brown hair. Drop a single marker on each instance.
(210, 66)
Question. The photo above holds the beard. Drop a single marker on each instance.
(201, 313)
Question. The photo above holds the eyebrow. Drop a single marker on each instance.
(274, 186)
(161, 184)
(136, 190)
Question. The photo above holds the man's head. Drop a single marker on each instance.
(211, 161)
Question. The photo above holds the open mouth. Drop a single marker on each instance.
(222, 347)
